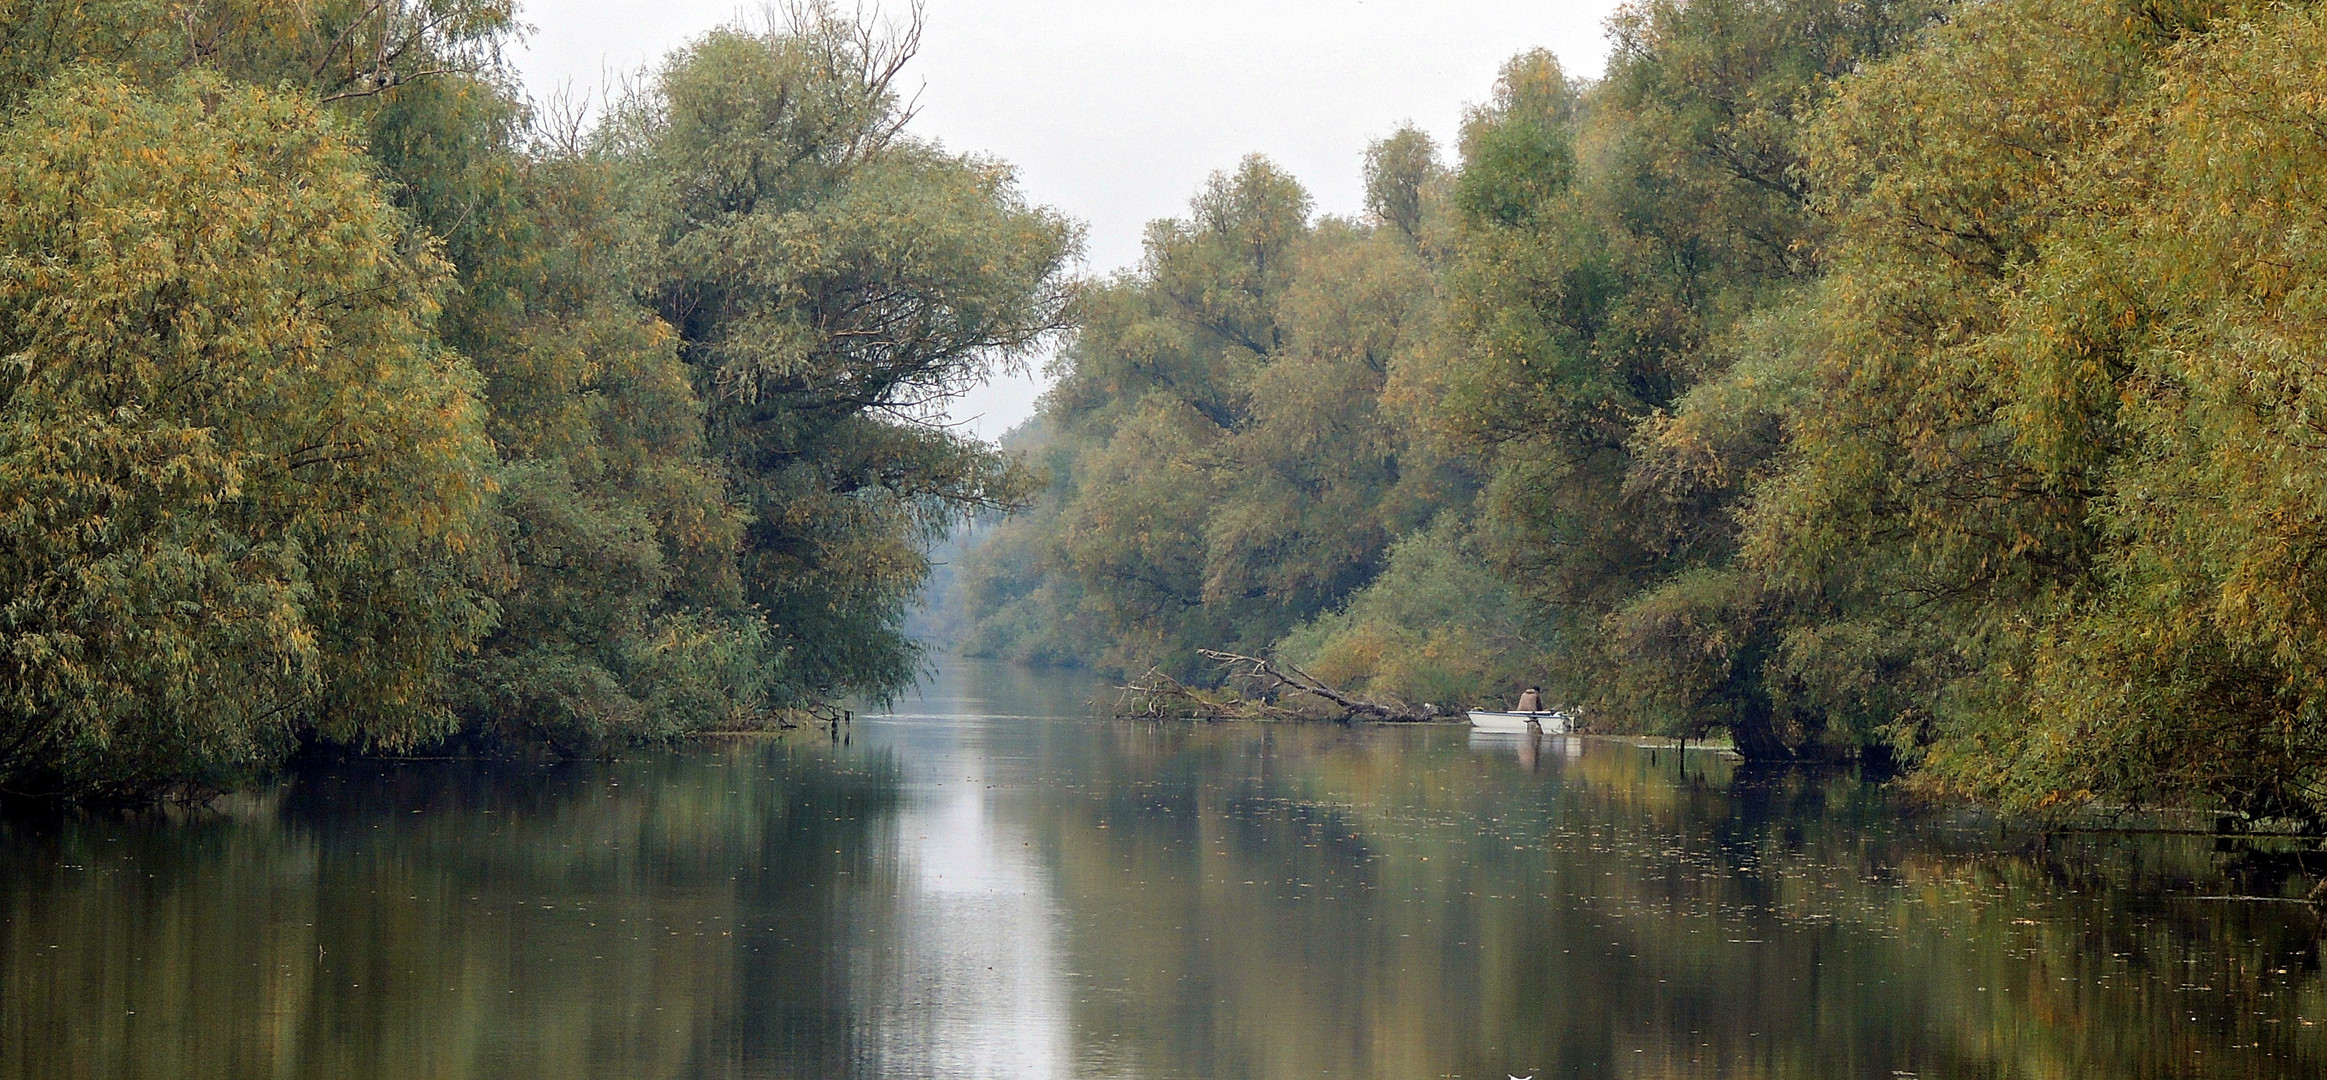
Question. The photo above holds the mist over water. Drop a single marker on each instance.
(990, 883)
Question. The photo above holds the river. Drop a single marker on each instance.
(989, 882)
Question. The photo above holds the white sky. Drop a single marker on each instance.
(1114, 111)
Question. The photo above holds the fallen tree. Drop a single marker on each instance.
(1255, 688)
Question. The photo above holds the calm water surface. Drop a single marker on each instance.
(990, 884)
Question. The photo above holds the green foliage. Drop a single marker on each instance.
(1603, 314)
(370, 409)
(1626, 319)
(1913, 380)
(832, 281)
(1436, 626)
(615, 573)
(2042, 518)
(1229, 447)
(1896, 378)
(1398, 171)
(1518, 155)
(2149, 362)
(241, 478)
(358, 52)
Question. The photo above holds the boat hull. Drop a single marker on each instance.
(1550, 723)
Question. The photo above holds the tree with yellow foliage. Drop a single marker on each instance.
(239, 477)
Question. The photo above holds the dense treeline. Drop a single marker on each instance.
(1923, 380)
(347, 400)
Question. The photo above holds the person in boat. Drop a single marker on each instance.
(1530, 701)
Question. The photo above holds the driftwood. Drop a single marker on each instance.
(1257, 689)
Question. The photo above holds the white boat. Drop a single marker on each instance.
(1550, 723)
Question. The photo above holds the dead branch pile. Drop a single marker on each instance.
(1157, 696)
(1253, 688)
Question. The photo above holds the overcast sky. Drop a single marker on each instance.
(1114, 111)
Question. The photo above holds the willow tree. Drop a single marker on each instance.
(832, 281)
(2183, 314)
(1228, 453)
(239, 476)
(2075, 429)
(359, 56)
(613, 566)
(1159, 378)
(1616, 293)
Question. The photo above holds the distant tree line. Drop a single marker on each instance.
(348, 400)
(1926, 381)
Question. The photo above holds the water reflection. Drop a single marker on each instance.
(1530, 747)
(974, 987)
(985, 884)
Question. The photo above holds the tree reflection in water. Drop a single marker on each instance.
(989, 884)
